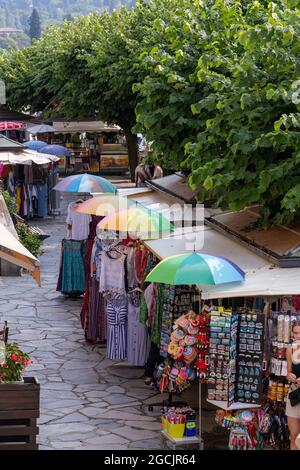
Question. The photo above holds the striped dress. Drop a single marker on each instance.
(117, 313)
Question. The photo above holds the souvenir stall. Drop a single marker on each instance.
(92, 145)
(247, 341)
(256, 417)
(188, 342)
(29, 185)
(114, 299)
(81, 230)
(13, 130)
(25, 175)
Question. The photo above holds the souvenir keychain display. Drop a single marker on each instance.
(250, 357)
(176, 302)
(222, 355)
(203, 343)
(244, 429)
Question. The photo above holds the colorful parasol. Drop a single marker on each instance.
(105, 204)
(195, 268)
(57, 150)
(85, 183)
(35, 144)
(142, 222)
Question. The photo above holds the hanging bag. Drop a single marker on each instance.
(294, 397)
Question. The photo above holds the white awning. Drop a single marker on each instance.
(83, 126)
(25, 157)
(12, 250)
(267, 281)
(262, 278)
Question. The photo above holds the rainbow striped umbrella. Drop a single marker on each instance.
(195, 268)
(105, 204)
(142, 222)
(85, 183)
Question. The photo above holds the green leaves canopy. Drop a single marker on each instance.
(221, 101)
(214, 84)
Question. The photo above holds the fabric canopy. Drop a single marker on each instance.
(262, 278)
(12, 250)
(25, 157)
(12, 126)
(267, 281)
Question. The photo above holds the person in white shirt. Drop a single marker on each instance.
(78, 225)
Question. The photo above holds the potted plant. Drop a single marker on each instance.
(19, 401)
(14, 362)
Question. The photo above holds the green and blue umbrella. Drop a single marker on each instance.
(144, 223)
(195, 268)
(85, 183)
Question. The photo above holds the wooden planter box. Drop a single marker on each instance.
(19, 410)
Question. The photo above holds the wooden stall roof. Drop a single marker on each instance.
(280, 243)
(10, 115)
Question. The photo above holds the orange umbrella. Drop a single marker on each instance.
(144, 223)
(104, 205)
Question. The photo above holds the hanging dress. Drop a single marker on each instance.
(96, 324)
(73, 274)
(138, 343)
(117, 310)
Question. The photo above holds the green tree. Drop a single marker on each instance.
(35, 30)
(87, 67)
(225, 93)
(247, 148)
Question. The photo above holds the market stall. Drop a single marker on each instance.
(28, 176)
(93, 145)
(248, 340)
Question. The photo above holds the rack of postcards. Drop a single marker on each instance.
(222, 355)
(235, 357)
(250, 356)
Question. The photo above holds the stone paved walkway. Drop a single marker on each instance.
(87, 401)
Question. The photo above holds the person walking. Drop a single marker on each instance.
(293, 376)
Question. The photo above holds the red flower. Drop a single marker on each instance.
(14, 357)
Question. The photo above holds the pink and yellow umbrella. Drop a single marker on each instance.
(105, 204)
(139, 221)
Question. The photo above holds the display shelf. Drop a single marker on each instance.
(182, 440)
(234, 406)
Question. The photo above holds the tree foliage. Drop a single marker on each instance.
(87, 68)
(228, 104)
(214, 84)
(14, 13)
(35, 30)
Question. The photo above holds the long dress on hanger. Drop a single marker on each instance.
(96, 324)
(73, 274)
(138, 342)
(117, 311)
